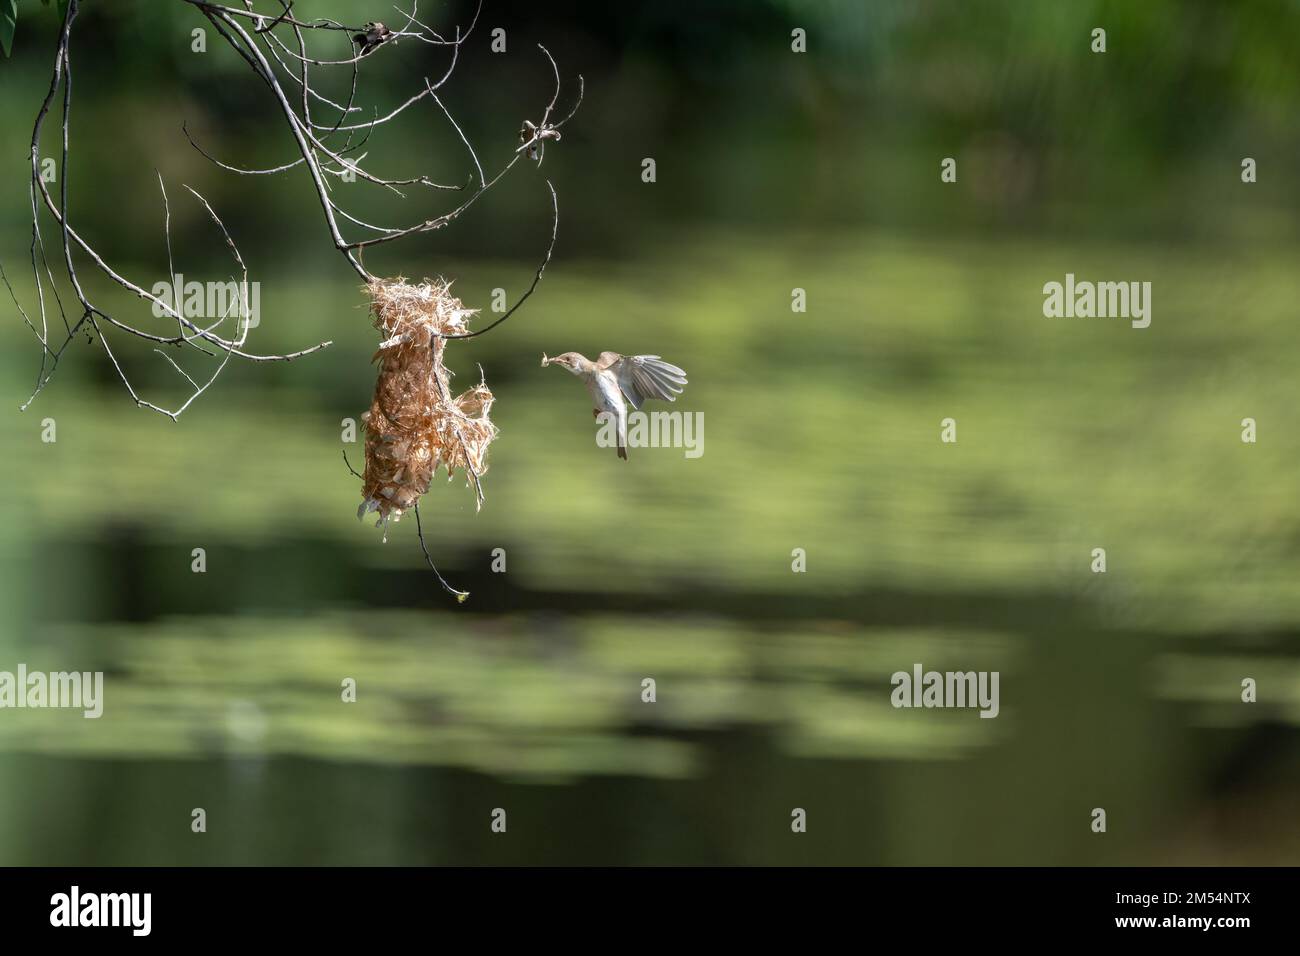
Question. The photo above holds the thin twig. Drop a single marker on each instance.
(537, 277)
(461, 596)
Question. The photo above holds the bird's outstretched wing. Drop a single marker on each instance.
(643, 376)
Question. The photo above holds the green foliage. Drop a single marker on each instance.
(8, 21)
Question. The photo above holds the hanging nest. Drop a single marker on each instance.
(414, 426)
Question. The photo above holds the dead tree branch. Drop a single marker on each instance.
(330, 143)
(328, 147)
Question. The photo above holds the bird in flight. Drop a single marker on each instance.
(616, 381)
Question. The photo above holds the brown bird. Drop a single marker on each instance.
(375, 34)
(613, 377)
(533, 138)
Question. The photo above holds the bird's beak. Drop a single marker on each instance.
(545, 360)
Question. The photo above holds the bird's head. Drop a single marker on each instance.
(570, 360)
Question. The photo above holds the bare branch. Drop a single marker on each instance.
(537, 277)
(329, 146)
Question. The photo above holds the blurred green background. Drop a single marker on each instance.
(775, 170)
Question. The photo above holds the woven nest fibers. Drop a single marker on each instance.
(414, 426)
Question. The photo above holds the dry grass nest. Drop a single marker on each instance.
(414, 426)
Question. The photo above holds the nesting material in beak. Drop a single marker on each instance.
(545, 360)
